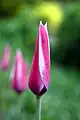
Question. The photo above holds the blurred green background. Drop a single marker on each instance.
(19, 20)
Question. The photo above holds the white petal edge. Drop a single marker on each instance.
(45, 26)
(41, 60)
(19, 67)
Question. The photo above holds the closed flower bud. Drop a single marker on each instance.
(19, 73)
(39, 77)
(5, 58)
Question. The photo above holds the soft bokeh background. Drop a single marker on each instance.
(19, 21)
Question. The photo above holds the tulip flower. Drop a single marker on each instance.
(6, 58)
(18, 75)
(39, 77)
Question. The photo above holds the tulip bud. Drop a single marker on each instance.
(39, 77)
(6, 58)
(18, 76)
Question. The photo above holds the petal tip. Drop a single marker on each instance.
(45, 25)
(41, 22)
(18, 51)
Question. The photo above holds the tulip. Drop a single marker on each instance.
(39, 77)
(6, 58)
(18, 75)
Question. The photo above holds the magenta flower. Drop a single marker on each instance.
(39, 77)
(6, 58)
(18, 75)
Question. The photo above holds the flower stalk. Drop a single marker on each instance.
(38, 108)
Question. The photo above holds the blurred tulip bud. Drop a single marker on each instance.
(6, 58)
(39, 77)
(18, 75)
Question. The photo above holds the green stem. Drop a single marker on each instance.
(38, 108)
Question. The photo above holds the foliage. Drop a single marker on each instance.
(67, 46)
(62, 101)
(19, 28)
(24, 25)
